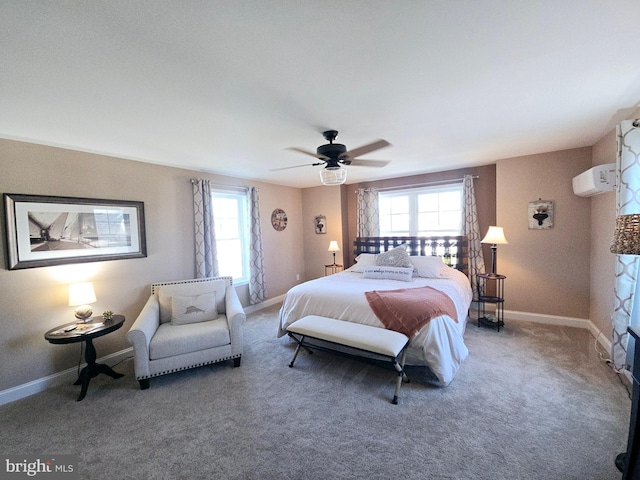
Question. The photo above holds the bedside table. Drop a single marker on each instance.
(331, 269)
(485, 319)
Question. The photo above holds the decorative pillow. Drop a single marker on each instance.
(364, 260)
(193, 308)
(429, 267)
(403, 274)
(398, 257)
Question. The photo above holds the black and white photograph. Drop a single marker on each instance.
(44, 231)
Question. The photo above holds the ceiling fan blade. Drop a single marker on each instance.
(307, 152)
(356, 152)
(297, 166)
(368, 163)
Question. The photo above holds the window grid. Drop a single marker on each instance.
(421, 212)
(230, 216)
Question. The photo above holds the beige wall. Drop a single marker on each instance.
(321, 200)
(547, 271)
(34, 300)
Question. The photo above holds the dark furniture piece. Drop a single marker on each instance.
(495, 296)
(58, 335)
(454, 250)
(627, 462)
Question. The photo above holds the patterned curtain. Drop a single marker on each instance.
(257, 286)
(205, 246)
(368, 219)
(471, 228)
(627, 201)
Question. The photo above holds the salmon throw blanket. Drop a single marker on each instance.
(407, 310)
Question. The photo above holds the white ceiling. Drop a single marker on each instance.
(227, 86)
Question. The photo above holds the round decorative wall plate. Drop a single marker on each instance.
(279, 219)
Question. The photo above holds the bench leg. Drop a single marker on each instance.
(295, 355)
(401, 376)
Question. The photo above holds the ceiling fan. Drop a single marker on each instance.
(334, 155)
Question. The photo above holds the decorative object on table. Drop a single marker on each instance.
(279, 219)
(321, 224)
(44, 231)
(333, 248)
(107, 315)
(540, 214)
(80, 296)
(494, 236)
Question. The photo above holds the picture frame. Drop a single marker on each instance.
(540, 214)
(42, 230)
(320, 222)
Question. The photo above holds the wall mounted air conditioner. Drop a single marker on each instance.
(599, 179)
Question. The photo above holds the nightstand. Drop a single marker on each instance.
(331, 269)
(494, 296)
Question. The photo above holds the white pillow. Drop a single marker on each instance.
(398, 257)
(364, 260)
(429, 267)
(193, 308)
(403, 274)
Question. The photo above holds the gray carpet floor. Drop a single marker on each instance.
(530, 402)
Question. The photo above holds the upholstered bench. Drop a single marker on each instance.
(379, 343)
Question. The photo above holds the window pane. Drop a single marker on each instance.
(231, 226)
(427, 211)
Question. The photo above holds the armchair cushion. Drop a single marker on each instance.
(171, 340)
(193, 308)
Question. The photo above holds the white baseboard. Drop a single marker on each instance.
(267, 303)
(65, 377)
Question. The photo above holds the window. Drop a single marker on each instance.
(231, 219)
(421, 212)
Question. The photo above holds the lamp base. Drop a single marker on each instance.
(83, 313)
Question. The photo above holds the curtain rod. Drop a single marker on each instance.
(425, 184)
(222, 186)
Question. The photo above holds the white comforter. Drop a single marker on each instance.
(439, 344)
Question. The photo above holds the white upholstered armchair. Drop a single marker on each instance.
(187, 324)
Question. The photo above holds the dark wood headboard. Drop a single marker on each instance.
(453, 249)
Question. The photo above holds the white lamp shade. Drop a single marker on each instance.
(333, 175)
(494, 235)
(81, 294)
(333, 246)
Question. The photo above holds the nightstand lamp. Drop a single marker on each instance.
(494, 236)
(80, 296)
(333, 247)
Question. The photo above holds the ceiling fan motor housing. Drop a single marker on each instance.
(332, 150)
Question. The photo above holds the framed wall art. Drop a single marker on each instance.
(321, 224)
(44, 231)
(540, 214)
(279, 219)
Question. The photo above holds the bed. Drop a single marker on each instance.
(439, 344)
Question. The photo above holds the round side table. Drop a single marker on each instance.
(65, 334)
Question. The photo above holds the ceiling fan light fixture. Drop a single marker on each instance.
(333, 175)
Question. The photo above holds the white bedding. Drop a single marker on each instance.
(439, 344)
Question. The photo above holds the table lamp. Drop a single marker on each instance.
(494, 236)
(80, 296)
(333, 247)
